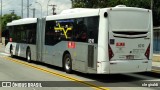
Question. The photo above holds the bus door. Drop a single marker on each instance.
(85, 57)
(129, 40)
(92, 56)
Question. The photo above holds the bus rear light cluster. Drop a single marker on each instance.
(110, 52)
(147, 53)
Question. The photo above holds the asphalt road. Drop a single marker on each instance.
(17, 69)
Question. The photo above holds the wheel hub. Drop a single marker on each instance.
(28, 57)
(67, 64)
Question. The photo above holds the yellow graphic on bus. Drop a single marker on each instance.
(63, 29)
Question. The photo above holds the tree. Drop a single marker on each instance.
(130, 3)
(109, 3)
(156, 12)
(8, 18)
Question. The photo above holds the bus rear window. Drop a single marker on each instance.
(129, 20)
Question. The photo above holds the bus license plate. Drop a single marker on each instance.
(130, 57)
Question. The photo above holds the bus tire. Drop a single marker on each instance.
(11, 51)
(67, 63)
(28, 55)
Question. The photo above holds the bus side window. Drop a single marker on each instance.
(68, 27)
(30, 33)
(81, 32)
(30, 37)
(50, 33)
(92, 28)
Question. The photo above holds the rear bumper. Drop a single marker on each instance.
(126, 66)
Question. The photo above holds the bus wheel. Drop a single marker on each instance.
(28, 55)
(67, 63)
(11, 51)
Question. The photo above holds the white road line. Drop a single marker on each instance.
(5, 54)
(156, 66)
(156, 54)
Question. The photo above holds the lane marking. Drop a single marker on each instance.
(156, 66)
(156, 71)
(57, 74)
(156, 55)
(5, 54)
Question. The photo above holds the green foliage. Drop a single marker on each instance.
(130, 3)
(109, 3)
(156, 13)
(8, 18)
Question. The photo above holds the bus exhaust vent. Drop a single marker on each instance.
(90, 56)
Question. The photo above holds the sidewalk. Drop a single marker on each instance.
(2, 47)
(156, 62)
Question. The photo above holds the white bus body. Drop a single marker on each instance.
(19, 47)
(114, 40)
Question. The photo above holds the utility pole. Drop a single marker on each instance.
(27, 8)
(53, 8)
(1, 24)
(72, 3)
(152, 4)
(47, 7)
(33, 12)
(22, 9)
(12, 11)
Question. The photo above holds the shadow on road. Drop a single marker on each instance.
(115, 80)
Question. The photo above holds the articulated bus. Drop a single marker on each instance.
(100, 41)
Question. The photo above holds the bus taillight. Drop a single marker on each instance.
(110, 52)
(147, 53)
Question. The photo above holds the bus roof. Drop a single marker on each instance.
(73, 13)
(22, 21)
(84, 12)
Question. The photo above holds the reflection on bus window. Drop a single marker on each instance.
(23, 33)
(79, 30)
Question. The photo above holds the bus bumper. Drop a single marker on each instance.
(125, 66)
